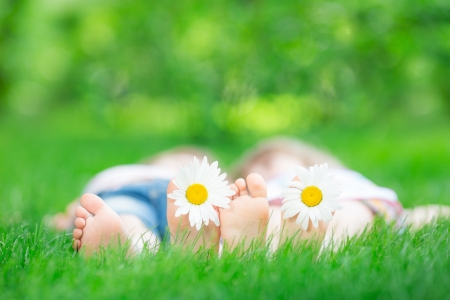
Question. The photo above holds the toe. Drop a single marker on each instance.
(296, 178)
(81, 212)
(92, 203)
(236, 190)
(76, 244)
(77, 233)
(256, 185)
(80, 223)
(242, 186)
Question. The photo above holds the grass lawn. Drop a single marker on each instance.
(44, 164)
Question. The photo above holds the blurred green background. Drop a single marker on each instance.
(209, 67)
(86, 84)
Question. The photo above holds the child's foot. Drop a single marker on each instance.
(292, 231)
(182, 233)
(246, 219)
(96, 225)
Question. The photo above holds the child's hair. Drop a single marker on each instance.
(308, 154)
(186, 150)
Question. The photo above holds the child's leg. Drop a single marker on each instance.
(419, 216)
(139, 235)
(351, 220)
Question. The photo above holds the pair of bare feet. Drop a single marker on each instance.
(243, 224)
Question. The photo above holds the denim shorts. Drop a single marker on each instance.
(147, 201)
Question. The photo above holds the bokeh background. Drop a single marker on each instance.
(85, 85)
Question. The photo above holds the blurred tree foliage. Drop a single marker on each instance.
(216, 63)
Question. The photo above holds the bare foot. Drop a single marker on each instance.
(182, 233)
(291, 231)
(246, 219)
(96, 226)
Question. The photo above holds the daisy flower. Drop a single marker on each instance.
(199, 189)
(311, 197)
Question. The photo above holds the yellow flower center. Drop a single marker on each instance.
(197, 194)
(311, 196)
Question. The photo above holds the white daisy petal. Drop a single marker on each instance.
(220, 190)
(337, 206)
(312, 215)
(198, 225)
(206, 173)
(214, 165)
(182, 210)
(329, 181)
(304, 175)
(204, 213)
(179, 193)
(213, 173)
(291, 191)
(326, 205)
(195, 211)
(230, 192)
(297, 196)
(216, 182)
(330, 195)
(220, 202)
(182, 172)
(301, 216)
(192, 219)
(213, 215)
(289, 199)
(196, 170)
(321, 173)
(176, 184)
(314, 171)
(333, 204)
(305, 222)
(326, 214)
(181, 201)
(316, 212)
(292, 211)
(178, 212)
(181, 184)
(297, 184)
(315, 192)
(200, 186)
(288, 204)
(222, 177)
(190, 175)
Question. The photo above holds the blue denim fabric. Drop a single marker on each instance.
(147, 201)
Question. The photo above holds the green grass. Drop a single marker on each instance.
(45, 163)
